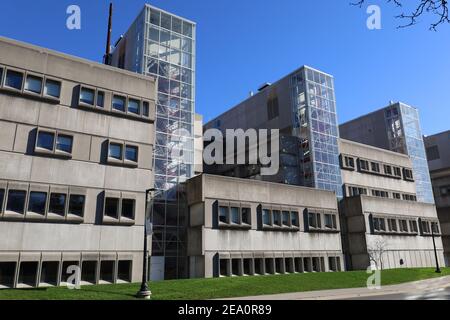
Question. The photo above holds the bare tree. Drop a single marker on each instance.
(437, 8)
(376, 252)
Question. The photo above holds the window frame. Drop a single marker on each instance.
(94, 97)
(74, 192)
(123, 161)
(18, 187)
(33, 93)
(54, 152)
(51, 215)
(48, 96)
(32, 215)
(5, 76)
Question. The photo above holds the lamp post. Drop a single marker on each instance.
(438, 270)
(144, 292)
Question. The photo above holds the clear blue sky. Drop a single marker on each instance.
(242, 44)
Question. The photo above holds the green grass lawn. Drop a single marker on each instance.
(199, 289)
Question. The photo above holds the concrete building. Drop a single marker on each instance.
(383, 195)
(396, 128)
(438, 152)
(162, 45)
(380, 212)
(76, 150)
(245, 227)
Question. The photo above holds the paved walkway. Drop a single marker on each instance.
(407, 290)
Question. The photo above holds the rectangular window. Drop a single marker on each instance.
(145, 109)
(76, 205)
(277, 217)
(133, 106)
(118, 103)
(375, 167)
(235, 215)
(57, 204)
(223, 214)
(445, 191)
(314, 220)
(64, 143)
(87, 96)
(112, 208)
(379, 224)
(14, 79)
(223, 267)
(392, 225)
(131, 153)
(2, 196)
(349, 162)
(403, 225)
(1, 76)
(45, 140)
(100, 99)
(37, 202)
(33, 84)
(294, 219)
(266, 217)
(246, 214)
(128, 206)
(396, 195)
(363, 165)
(433, 153)
(408, 174)
(16, 201)
(115, 151)
(52, 88)
(413, 226)
(426, 227)
(286, 218)
(397, 172)
(388, 170)
(435, 228)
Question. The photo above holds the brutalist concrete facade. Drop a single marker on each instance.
(384, 225)
(438, 152)
(76, 150)
(247, 227)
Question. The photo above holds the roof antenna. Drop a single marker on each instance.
(107, 56)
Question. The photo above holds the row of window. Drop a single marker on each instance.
(322, 221)
(234, 216)
(353, 191)
(267, 266)
(54, 273)
(94, 98)
(375, 167)
(58, 143)
(29, 83)
(38, 202)
(408, 226)
(276, 219)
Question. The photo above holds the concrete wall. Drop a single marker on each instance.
(88, 170)
(206, 240)
(375, 181)
(414, 250)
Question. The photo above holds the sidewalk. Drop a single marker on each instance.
(409, 288)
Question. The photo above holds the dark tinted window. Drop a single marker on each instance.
(246, 215)
(1, 76)
(76, 205)
(64, 143)
(87, 96)
(57, 203)
(112, 207)
(128, 208)
(118, 103)
(16, 201)
(33, 84)
(145, 109)
(52, 88)
(115, 151)
(223, 214)
(2, 196)
(37, 202)
(45, 140)
(100, 99)
(131, 153)
(133, 106)
(14, 79)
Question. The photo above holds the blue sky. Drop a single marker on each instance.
(242, 44)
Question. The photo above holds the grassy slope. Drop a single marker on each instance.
(199, 289)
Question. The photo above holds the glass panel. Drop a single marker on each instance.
(153, 34)
(266, 217)
(16, 201)
(118, 103)
(100, 99)
(76, 205)
(223, 214)
(112, 208)
(87, 96)
(235, 215)
(246, 212)
(14, 79)
(155, 17)
(128, 208)
(145, 109)
(294, 218)
(33, 84)
(186, 45)
(57, 203)
(131, 153)
(176, 41)
(286, 218)
(133, 106)
(277, 217)
(52, 88)
(115, 151)
(64, 143)
(45, 140)
(37, 202)
(165, 21)
(187, 29)
(165, 38)
(176, 25)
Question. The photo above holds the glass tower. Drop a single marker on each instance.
(315, 123)
(162, 45)
(405, 136)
